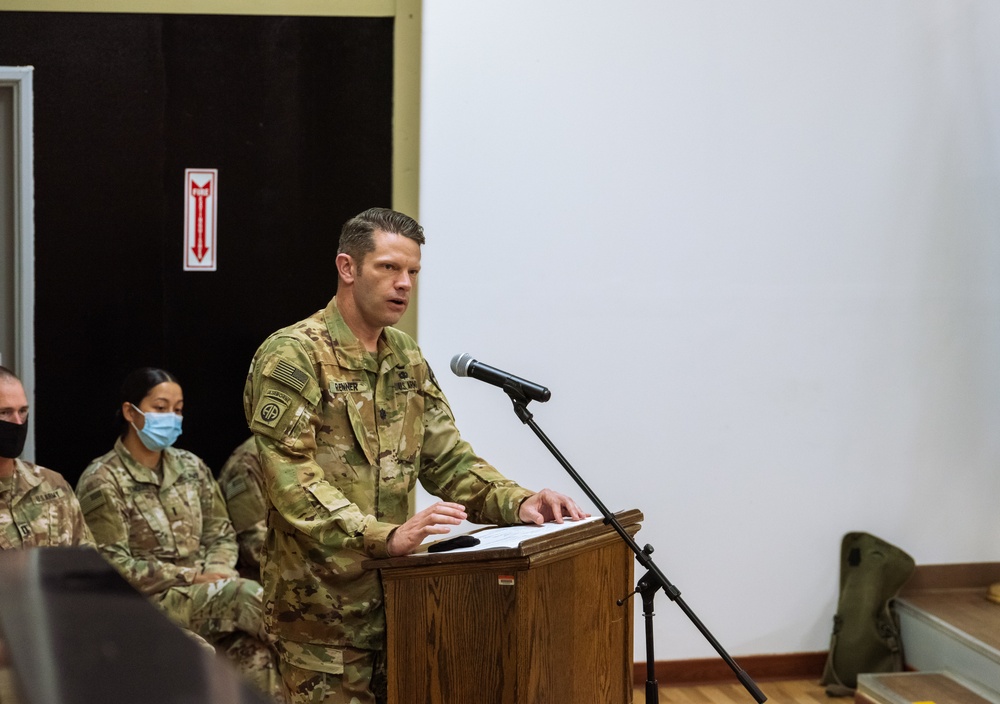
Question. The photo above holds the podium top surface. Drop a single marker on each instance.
(519, 544)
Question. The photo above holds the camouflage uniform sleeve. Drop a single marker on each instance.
(281, 401)
(217, 535)
(106, 512)
(79, 532)
(241, 485)
(450, 468)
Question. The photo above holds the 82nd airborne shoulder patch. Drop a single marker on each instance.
(269, 411)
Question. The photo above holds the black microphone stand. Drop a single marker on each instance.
(650, 582)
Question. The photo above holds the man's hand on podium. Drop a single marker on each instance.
(548, 505)
(433, 520)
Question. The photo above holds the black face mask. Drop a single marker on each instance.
(12, 437)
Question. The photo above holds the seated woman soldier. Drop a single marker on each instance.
(157, 515)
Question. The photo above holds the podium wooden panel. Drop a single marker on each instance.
(537, 623)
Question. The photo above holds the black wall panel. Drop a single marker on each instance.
(295, 113)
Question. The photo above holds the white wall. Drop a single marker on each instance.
(754, 250)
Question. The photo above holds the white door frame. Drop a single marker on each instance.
(20, 79)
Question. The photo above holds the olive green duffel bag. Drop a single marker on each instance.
(865, 629)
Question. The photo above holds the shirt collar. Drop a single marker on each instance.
(142, 473)
(351, 354)
(25, 478)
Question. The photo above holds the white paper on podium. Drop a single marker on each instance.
(511, 536)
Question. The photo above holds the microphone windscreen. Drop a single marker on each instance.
(460, 364)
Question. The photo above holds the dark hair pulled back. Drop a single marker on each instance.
(135, 388)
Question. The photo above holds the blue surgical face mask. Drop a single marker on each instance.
(160, 431)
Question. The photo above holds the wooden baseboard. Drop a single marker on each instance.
(789, 666)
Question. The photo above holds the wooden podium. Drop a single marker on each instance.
(530, 624)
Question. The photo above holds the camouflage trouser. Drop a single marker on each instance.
(227, 613)
(215, 608)
(255, 660)
(363, 681)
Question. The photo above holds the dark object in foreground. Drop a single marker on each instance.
(73, 631)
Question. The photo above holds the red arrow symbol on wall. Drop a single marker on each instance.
(201, 194)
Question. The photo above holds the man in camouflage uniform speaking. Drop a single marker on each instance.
(347, 416)
(37, 506)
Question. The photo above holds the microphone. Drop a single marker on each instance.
(465, 365)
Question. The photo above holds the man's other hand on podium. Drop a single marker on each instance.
(547, 506)
(433, 520)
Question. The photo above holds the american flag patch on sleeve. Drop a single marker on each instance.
(289, 375)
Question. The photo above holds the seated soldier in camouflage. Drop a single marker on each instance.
(158, 516)
(243, 486)
(37, 506)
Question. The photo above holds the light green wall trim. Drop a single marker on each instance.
(406, 125)
(302, 8)
(406, 68)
